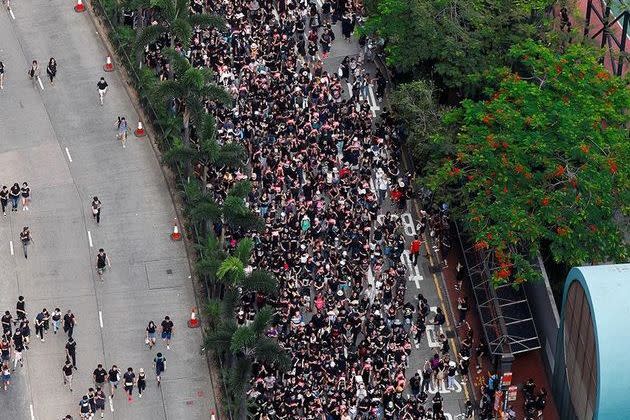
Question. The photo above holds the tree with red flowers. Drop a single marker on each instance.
(544, 159)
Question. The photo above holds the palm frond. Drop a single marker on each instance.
(179, 153)
(180, 63)
(208, 127)
(231, 298)
(181, 29)
(243, 340)
(244, 249)
(220, 339)
(231, 154)
(241, 189)
(207, 267)
(269, 351)
(166, 8)
(216, 93)
(261, 281)
(262, 320)
(231, 270)
(169, 89)
(207, 21)
(206, 210)
(149, 35)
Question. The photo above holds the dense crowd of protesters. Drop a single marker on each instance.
(322, 168)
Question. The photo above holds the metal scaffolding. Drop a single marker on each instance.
(599, 13)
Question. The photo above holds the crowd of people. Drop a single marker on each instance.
(323, 168)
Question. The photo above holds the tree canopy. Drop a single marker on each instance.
(544, 159)
(457, 39)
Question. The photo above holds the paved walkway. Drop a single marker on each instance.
(421, 278)
(62, 142)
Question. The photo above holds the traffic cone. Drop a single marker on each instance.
(139, 132)
(212, 415)
(176, 236)
(79, 8)
(109, 66)
(193, 322)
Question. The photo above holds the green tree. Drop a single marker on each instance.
(192, 87)
(415, 105)
(233, 271)
(174, 20)
(456, 39)
(239, 347)
(544, 159)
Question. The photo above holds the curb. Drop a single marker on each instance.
(168, 175)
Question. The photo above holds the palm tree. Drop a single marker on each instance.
(192, 87)
(176, 21)
(234, 273)
(239, 347)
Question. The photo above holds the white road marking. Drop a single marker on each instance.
(100, 318)
(32, 413)
(414, 275)
(375, 106)
(68, 153)
(90, 239)
(111, 404)
(40, 82)
(13, 16)
(11, 245)
(408, 226)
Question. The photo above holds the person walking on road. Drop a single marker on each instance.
(85, 408)
(414, 250)
(69, 322)
(150, 334)
(113, 377)
(51, 70)
(14, 195)
(160, 366)
(102, 89)
(67, 371)
(99, 401)
(123, 129)
(25, 238)
(20, 309)
(4, 199)
(167, 331)
(39, 325)
(34, 72)
(6, 376)
(129, 379)
(26, 196)
(18, 348)
(5, 350)
(56, 320)
(142, 382)
(99, 375)
(71, 352)
(102, 262)
(6, 324)
(96, 209)
(25, 329)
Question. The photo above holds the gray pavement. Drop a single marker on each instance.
(62, 142)
(420, 277)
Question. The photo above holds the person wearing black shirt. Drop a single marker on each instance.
(113, 376)
(99, 375)
(167, 331)
(142, 382)
(20, 308)
(160, 366)
(129, 379)
(69, 322)
(14, 195)
(84, 407)
(25, 237)
(99, 401)
(4, 199)
(67, 374)
(6, 323)
(71, 351)
(102, 89)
